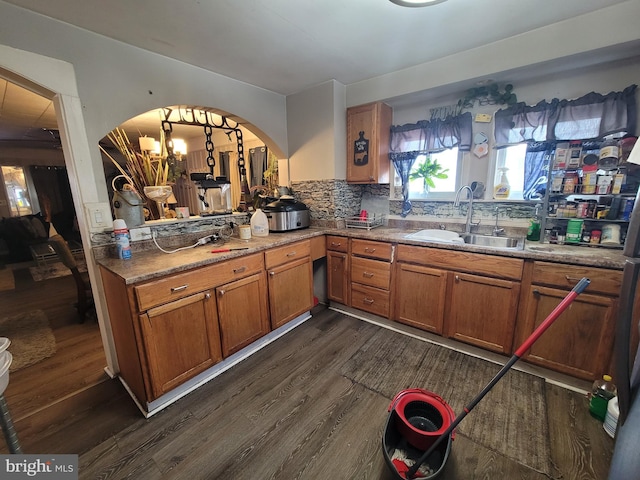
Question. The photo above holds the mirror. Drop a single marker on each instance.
(216, 146)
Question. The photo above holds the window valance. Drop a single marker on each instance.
(589, 117)
(432, 136)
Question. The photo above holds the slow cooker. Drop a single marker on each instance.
(286, 214)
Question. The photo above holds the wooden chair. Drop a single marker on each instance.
(85, 297)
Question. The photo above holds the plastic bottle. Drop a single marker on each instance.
(502, 189)
(601, 392)
(259, 224)
(533, 234)
(121, 232)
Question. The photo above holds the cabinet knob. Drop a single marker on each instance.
(457, 278)
(221, 293)
(272, 273)
(207, 296)
(536, 292)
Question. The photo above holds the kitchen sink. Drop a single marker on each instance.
(491, 241)
(435, 235)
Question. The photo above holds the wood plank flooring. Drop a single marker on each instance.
(59, 386)
(289, 412)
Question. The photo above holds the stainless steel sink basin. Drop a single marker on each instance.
(491, 241)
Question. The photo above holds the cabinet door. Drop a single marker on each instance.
(580, 341)
(181, 339)
(368, 132)
(243, 313)
(482, 311)
(420, 297)
(338, 277)
(290, 291)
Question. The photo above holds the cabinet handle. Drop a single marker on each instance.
(179, 289)
(367, 275)
(369, 250)
(221, 293)
(572, 279)
(536, 293)
(272, 273)
(368, 301)
(291, 254)
(239, 269)
(207, 296)
(334, 244)
(457, 278)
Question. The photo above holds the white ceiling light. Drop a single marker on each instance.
(416, 3)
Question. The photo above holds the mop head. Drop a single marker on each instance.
(402, 461)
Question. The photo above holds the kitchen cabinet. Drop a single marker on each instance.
(368, 135)
(168, 330)
(290, 281)
(467, 296)
(370, 276)
(243, 313)
(420, 296)
(338, 269)
(181, 339)
(580, 341)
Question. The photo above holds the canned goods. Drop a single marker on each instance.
(595, 236)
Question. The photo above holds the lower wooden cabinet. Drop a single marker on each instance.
(290, 290)
(580, 341)
(242, 312)
(482, 311)
(338, 277)
(420, 297)
(181, 339)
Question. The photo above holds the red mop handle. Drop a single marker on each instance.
(578, 289)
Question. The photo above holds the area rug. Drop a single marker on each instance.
(7, 281)
(52, 270)
(511, 420)
(31, 338)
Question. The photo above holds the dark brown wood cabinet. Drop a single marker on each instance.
(370, 276)
(368, 133)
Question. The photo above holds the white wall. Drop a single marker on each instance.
(316, 125)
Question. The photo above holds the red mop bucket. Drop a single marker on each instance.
(422, 416)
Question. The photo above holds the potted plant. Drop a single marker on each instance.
(427, 171)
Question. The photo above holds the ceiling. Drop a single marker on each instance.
(285, 46)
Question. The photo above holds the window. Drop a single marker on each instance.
(448, 159)
(511, 158)
(16, 188)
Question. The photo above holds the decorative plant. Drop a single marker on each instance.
(489, 95)
(427, 171)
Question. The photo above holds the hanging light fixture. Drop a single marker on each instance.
(416, 3)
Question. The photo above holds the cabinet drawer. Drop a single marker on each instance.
(566, 276)
(367, 248)
(370, 272)
(477, 263)
(187, 283)
(370, 299)
(287, 253)
(337, 244)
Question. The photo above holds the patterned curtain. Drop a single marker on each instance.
(413, 139)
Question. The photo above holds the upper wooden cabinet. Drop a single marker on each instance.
(368, 132)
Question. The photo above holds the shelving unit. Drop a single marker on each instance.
(584, 200)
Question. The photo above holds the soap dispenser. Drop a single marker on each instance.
(533, 234)
(502, 189)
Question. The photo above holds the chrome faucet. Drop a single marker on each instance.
(497, 231)
(469, 223)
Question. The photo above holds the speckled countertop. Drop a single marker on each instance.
(152, 263)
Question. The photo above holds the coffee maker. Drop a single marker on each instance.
(214, 194)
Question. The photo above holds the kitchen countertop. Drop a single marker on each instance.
(150, 264)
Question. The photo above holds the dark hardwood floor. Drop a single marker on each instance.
(289, 411)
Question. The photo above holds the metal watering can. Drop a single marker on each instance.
(127, 203)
